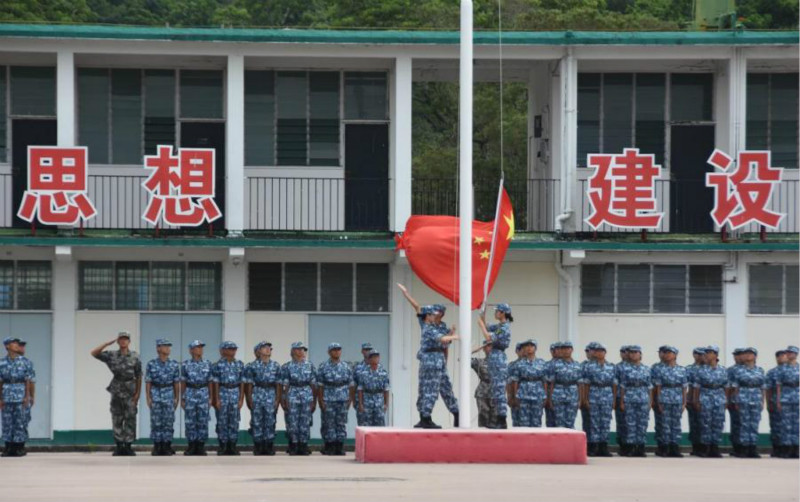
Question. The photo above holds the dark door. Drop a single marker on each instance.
(690, 200)
(366, 173)
(209, 135)
(25, 133)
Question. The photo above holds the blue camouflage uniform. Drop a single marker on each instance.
(264, 377)
(431, 368)
(711, 382)
(162, 377)
(336, 381)
(196, 375)
(671, 382)
(229, 376)
(373, 383)
(635, 385)
(497, 363)
(357, 369)
(563, 376)
(619, 414)
(585, 420)
(299, 380)
(694, 415)
(530, 376)
(774, 415)
(749, 385)
(446, 385)
(654, 368)
(510, 370)
(733, 411)
(787, 378)
(14, 373)
(601, 379)
(549, 415)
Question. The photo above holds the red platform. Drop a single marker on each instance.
(509, 446)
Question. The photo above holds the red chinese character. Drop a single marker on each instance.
(56, 186)
(622, 190)
(182, 187)
(742, 195)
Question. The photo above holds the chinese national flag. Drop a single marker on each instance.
(431, 246)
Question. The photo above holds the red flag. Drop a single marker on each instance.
(431, 246)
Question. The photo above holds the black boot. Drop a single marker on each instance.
(752, 452)
(257, 450)
(156, 451)
(118, 449)
(8, 451)
(200, 449)
(639, 451)
(223, 446)
(674, 451)
(129, 450)
(661, 450)
(232, 449)
(455, 419)
(501, 422)
(602, 449)
(736, 450)
(326, 448)
(190, 448)
(591, 449)
(292, 449)
(713, 451)
(623, 450)
(703, 450)
(339, 448)
(695, 447)
(794, 451)
(270, 449)
(427, 423)
(302, 449)
(421, 423)
(168, 449)
(21, 451)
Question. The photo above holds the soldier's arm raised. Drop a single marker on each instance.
(99, 349)
(410, 299)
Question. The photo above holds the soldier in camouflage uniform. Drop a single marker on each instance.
(694, 417)
(228, 377)
(787, 380)
(163, 377)
(619, 415)
(670, 384)
(262, 379)
(373, 390)
(31, 394)
(124, 388)
(196, 398)
(635, 396)
(598, 378)
(709, 400)
(336, 394)
(358, 367)
(446, 386)
(733, 409)
(661, 449)
(549, 417)
(562, 378)
(529, 385)
(499, 335)
(512, 402)
(772, 408)
(747, 383)
(583, 390)
(16, 378)
(483, 392)
(299, 380)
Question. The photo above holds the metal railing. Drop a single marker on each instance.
(120, 201)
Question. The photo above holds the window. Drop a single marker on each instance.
(159, 109)
(3, 116)
(33, 91)
(325, 287)
(142, 285)
(772, 116)
(619, 110)
(201, 94)
(25, 285)
(293, 118)
(773, 289)
(655, 289)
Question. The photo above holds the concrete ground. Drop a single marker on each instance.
(89, 477)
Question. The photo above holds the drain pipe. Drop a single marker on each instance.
(569, 97)
(567, 318)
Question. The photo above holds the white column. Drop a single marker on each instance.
(735, 303)
(65, 97)
(564, 134)
(63, 363)
(402, 327)
(400, 143)
(234, 298)
(234, 150)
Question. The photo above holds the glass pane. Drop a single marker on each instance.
(597, 288)
(650, 102)
(264, 286)
(126, 116)
(33, 90)
(765, 289)
(205, 286)
(669, 288)
(132, 285)
(372, 287)
(588, 115)
(691, 96)
(705, 289)
(792, 289)
(784, 119)
(6, 285)
(301, 286)
(93, 89)
(259, 118)
(159, 109)
(336, 282)
(201, 94)
(292, 92)
(96, 285)
(757, 111)
(3, 115)
(365, 96)
(34, 279)
(617, 112)
(169, 291)
(633, 288)
(324, 131)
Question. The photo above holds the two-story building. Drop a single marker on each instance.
(313, 138)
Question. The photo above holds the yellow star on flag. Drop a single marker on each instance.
(479, 240)
(485, 255)
(510, 222)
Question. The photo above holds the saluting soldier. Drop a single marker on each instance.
(373, 390)
(262, 379)
(163, 377)
(196, 399)
(16, 380)
(125, 387)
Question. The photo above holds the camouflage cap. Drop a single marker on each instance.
(366, 346)
(163, 342)
(299, 345)
(529, 342)
(227, 344)
(670, 348)
(334, 346)
(634, 348)
(373, 353)
(196, 343)
(124, 334)
(503, 307)
(439, 307)
(11, 339)
(793, 349)
(751, 350)
(713, 348)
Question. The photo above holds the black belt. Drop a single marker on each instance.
(299, 385)
(566, 384)
(750, 386)
(528, 380)
(337, 386)
(713, 386)
(161, 385)
(634, 385)
(265, 385)
(230, 385)
(671, 385)
(433, 350)
(12, 382)
(789, 384)
(196, 385)
(372, 391)
(600, 385)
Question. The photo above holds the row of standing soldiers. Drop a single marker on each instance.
(198, 385)
(629, 390)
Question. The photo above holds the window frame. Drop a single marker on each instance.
(15, 288)
(768, 109)
(784, 268)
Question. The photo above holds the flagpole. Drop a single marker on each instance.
(465, 215)
(494, 242)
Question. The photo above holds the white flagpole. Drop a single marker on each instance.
(465, 215)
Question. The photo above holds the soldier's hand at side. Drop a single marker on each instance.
(622, 406)
(2, 403)
(778, 407)
(385, 408)
(277, 405)
(661, 408)
(183, 404)
(313, 407)
(321, 407)
(149, 402)
(361, 408)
